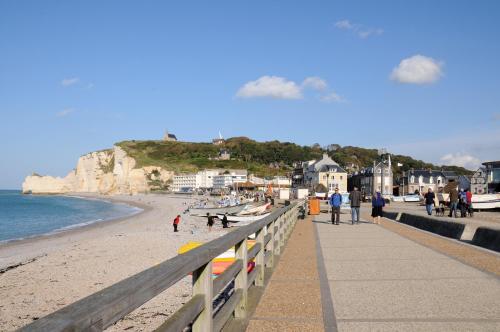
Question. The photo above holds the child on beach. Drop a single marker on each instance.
(177, 220)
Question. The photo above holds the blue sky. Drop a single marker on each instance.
(420, 78)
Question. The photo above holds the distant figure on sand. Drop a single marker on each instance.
(210, 222)
(336, 202)
(177, 220)
(355, 198)
(378, 204)
(224, 221)
(429, 201)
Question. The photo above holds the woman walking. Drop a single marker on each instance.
(377, 205)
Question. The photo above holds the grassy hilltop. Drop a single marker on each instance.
(260, 158)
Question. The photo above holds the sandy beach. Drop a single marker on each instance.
(60, 269)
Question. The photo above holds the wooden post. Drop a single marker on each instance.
(282, 231)
(202, 284)
(276, 237)
(270, 244)
(259, 259)
(241, 280)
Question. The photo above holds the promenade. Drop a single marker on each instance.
(378, 278)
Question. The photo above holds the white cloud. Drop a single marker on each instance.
(315, 82)
(461, 159)
(417, 69)
(332, 97)
(90, 85)
(344, 24)
(369, 32)
(65, 112)
(270, 86)
(360, 30)
(69, 81)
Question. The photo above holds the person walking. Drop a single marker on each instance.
(429, 201)
(210, 221)
(453, 202)
(335, 202)
(468, 195)
(176, 222)
(224, 221)
(355, 198)
(378, 204)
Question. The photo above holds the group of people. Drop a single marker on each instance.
(458, 201)
(355, 199)
(210, 222)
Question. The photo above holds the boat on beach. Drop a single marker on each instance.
(244, 219)
(224, 260)
(255, 209)
(202, 211)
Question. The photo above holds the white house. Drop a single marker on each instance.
(230, 178)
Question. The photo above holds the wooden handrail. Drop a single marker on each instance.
(102, 309)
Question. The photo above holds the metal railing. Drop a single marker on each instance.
(102, 309)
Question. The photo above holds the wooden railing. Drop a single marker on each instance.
(102, 309)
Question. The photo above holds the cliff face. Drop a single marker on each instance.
(104, 172)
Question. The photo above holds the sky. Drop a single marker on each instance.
(420, 78)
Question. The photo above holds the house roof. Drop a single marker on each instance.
(332, 168)
(326, 160)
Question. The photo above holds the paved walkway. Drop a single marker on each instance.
(373, 279)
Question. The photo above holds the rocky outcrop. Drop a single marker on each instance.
(104, 172)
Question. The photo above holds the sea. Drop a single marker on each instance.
(24, 216)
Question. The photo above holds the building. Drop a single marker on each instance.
(169, 137)
(185, 182)
(419, 181)
(192, 181)
(492, 176)
(324, 171)
(369, 180)
(224, 154)
(206, 178)
(218, 141)
(478, 182)
(332, 177)
(230, 179)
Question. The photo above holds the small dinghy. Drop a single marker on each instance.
(240, 218)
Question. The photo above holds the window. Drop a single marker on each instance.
(412, 179)
(341, 177)
(431, 180)
(420, 179)
(333, 177)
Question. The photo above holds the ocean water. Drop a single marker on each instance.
(23, 216)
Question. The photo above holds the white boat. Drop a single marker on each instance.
(252, 209)
(486, 201)
(412, 198)
(236, 218)
(398, 198)
(216, 210)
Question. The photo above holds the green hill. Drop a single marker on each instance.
(260, 158)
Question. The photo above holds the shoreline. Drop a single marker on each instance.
(81, 227)
(50, 272)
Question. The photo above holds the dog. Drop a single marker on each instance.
(440, 211)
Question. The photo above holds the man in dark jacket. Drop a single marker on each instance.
(453, 202)
(355, 198)
(335, 202)
(429, 201)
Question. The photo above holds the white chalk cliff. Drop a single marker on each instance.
(105, 172)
